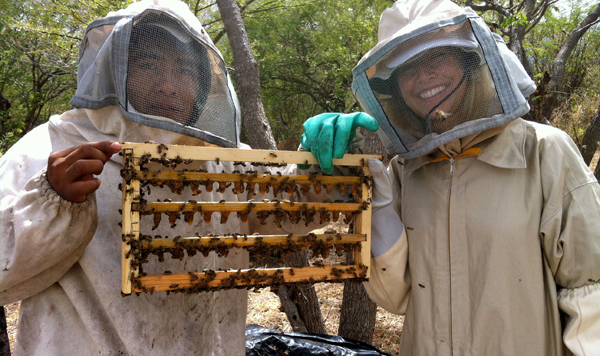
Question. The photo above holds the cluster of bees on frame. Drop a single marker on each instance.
(240, 182)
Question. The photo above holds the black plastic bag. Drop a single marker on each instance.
(267, 342)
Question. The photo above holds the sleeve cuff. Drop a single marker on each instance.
(582, 305)
(54, 198)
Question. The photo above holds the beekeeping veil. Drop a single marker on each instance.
(437, 74)
(157, 63)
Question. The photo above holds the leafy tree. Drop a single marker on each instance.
(306, 53)
(258, 130)
(38, 61)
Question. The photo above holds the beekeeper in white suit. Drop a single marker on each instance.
(499, 250)
(148, 72)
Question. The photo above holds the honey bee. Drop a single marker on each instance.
(440, 115)
(160, 148)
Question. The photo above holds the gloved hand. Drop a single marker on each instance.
(386, 226)
(328, 135)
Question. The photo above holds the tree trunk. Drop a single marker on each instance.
(552, 98)
(518, 35)
(257, 127)
(589, 144)
(357, 318)
(4, 344)
(300, 303)
(597, 172)
(5, 122)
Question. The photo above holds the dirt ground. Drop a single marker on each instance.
(12, 315)
(263, 309)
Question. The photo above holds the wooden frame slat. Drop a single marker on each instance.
(244, 206)
(248, 278)
(242, 241)
(129, 227)
(246, 178)
(237, 155)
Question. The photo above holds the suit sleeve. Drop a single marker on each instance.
(570, 235)
(389, 284)
(42, 235)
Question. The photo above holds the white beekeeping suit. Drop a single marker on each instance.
(502, 215)
(149, 72)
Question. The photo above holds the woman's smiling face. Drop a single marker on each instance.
(428, 80)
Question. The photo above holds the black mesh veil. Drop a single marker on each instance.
(159, 65)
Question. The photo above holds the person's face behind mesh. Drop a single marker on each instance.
(162, 81)
(427, 80)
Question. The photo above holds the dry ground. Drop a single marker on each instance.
(12, 315)
(263, 309)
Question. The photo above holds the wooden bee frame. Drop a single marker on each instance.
(134, 175)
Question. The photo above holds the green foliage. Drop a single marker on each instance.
(306, 51)
(38, 59)
(582, 72)
(516, 19)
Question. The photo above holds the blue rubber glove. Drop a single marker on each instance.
(328, 135)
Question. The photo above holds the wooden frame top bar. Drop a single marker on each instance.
(204, 153)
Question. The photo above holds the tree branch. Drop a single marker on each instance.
(537, 19)
(558, 66)
(490, 6)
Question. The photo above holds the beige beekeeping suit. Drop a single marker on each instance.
(500, 250)
(499, 242)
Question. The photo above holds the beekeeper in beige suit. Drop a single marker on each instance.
(148, 72)
(486, 231)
